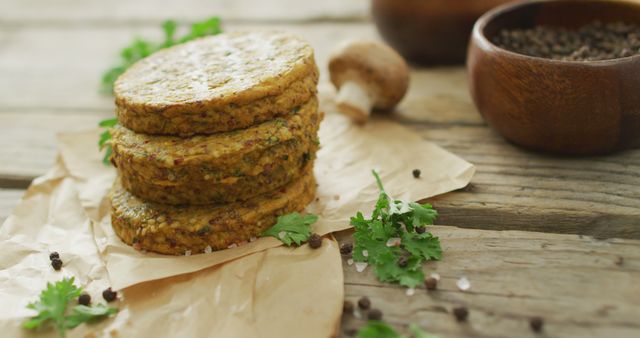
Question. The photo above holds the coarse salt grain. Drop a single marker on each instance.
(365, 253)
(435, 276)
(208, 249)
(187, 253)
(281, 234)
(234, 245)
(394, 241)
(360, 266)
(253, 239)
(463, 284)
(350, 261)
(411, 292)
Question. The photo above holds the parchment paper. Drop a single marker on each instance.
(261, 290)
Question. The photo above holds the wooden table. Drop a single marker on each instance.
(575, 259)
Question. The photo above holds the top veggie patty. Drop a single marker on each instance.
(215, 84)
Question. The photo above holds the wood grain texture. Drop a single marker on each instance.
(109, 13)
(580, 286)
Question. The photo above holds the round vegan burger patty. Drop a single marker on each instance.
(217, 168)
(216, 84)
(178, 230)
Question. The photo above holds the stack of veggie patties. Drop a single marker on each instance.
(217, 138)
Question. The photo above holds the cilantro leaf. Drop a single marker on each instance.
(52, 308)
(378, 329)
(390, 242)
(105, 137)
(82, 314)
(140, 48)
(292, 228)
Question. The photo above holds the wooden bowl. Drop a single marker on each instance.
(430, 32)
(564, 107)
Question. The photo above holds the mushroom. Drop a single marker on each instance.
(368, 75)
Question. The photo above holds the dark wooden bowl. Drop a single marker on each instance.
(430, 32)
(564, 107)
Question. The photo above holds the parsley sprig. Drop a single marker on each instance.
(141, 48)
(378, 329)
(391, 241)
(52, 308)
(138, 50)
(292, 228)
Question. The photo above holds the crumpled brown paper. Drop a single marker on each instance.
(262, 290)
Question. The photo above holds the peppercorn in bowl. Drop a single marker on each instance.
(559, 76)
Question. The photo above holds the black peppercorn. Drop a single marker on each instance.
(536, 324)
(416, 173)
(461, 313)
(403, 262)
(54, 255)
(315, 241)
(421, 229)
(56, 263)
(374, 314)
(431, 283)
(364, 303)
(347, 307)
(84, 299)
(346, 248)
(109, 295)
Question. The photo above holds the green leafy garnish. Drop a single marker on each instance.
(52, 308)
(105, 136)
(390, 242)
(140, 48)
(292, 228)
(378, 329)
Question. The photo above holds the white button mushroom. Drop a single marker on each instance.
(368, 75)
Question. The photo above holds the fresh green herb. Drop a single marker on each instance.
(140, 48)
(105, 137)
(393, 242)
(52, 308)
(292, 228)
(378, 329)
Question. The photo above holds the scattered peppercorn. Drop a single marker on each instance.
(347, 307)
(56, 263)
(461, 313)
(54, 255)
(364, 303)
(84, 299)
(315, 241)
(109, 295)
(346, 248)
(403, 261)
(416, 173)
(431, 283)
(536, 324)
(374, 314)
(421, 230)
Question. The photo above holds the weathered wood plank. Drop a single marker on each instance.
(580, 286)
(29, 146)
(8, 200)
(59, 69)
(515, 189)
(97, 12)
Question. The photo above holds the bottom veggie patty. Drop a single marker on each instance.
(177, 230)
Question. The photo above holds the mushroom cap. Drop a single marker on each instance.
(375, 66)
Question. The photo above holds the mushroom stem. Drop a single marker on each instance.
(354, 100)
